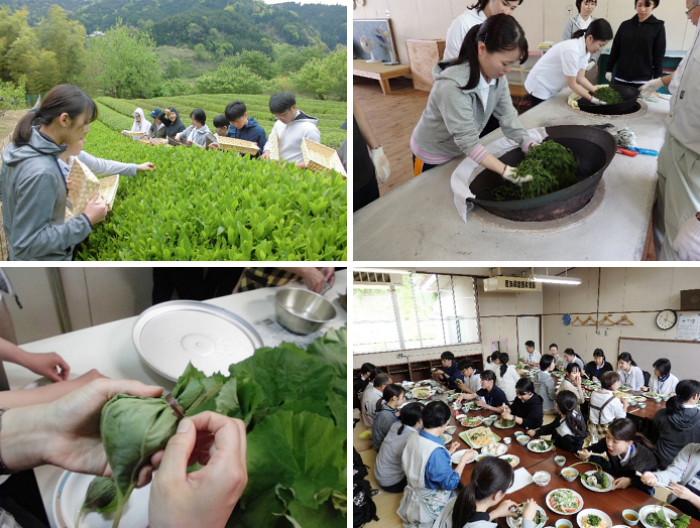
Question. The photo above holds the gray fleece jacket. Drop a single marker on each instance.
(546, 388)
(196, 135)
(33, 194)
(454, 118)
(444, 519)
(684, 467)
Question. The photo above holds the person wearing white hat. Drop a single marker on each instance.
(140, 124)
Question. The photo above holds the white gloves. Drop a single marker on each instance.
(381, 164)
(687, 243)
(608, 76)
(512, 177)
(649, 88)
(591, 65)
(597, 101)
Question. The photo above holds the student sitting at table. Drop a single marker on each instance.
(572, 381)
(682, 477)
(488, 486)
(662, 381)
(507, 376)
(388, 470)
(449, 374)
(371, 396)
(569, 430)
(361, 382)
(533, 356)
(558, 358)
(679, 423)
(628, 453)
(386, 413)
(545, 385)
(596, 368)
(492, 362)
(430, 479)
(526, 409)
(490, 397)
(572, 357)
(605, 406)
(472, 379)
(630, 374)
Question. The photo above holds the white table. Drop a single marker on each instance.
(419, 222)
(109, 349)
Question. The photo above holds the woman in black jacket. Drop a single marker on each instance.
(568, 430)
(526, 408)
(639, 47)
(679, 423)
(629, 453)
(596, 368)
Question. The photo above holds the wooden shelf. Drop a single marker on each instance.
(420, 370)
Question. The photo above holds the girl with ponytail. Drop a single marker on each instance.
(565, 65)
(387, 469)
(489, 483)
(467, 91)
(32, 186)
(393, 397)
(629, 453)
(569, 430)
(679, 423)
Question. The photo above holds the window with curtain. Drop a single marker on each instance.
(415, 311)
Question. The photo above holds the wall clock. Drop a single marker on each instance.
(666, 319)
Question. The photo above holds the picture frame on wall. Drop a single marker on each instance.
(379, 37)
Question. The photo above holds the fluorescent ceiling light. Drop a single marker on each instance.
(383, 270)
(555, 280)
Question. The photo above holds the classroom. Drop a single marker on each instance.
(526, 397)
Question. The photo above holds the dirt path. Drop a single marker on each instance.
(8, 121)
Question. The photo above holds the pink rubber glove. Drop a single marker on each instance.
(529, 144)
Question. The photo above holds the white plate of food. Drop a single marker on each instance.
(540, 446)
(517, 521)
(457, 456)
(590, 518)
(650, 522)
(597, 480)
(69, 497)
(504, 424)
(564, 501)
(511, 459)
(472, 421)
(495, 449)
(422, 393)
(445, 438)
(478, 437)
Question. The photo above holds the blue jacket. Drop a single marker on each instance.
(251, 132)
(454, 373)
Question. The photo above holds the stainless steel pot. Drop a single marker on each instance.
(302, 311)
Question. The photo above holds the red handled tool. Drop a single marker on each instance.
(626, 152)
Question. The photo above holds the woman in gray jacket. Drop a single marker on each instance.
(387, 413)
(467, 91)
(545, 385)
(682, 477)
(32, 186)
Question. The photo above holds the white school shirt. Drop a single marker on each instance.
(458, 30)
(483, 88)
(666, 387)
(633, 379)
(615, 409)
(548, 77)
(534, 357)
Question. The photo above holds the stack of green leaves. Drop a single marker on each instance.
(293, 402)
(553, 167)
(609, 95)
(212, 205)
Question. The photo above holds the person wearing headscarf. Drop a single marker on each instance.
(175, 126)
(140, 124)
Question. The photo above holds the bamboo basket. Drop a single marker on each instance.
(83, 185)
(274, 147)
(239, 145)
(321, 158)
(4, 246)
(136, 133)
(108, 190)
(146, 141)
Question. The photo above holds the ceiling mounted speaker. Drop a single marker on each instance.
(690, 300)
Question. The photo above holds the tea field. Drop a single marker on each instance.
(212, 205)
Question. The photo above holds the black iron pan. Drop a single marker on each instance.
(628, 93)
(595, 150)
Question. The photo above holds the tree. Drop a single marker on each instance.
(289, 59)
(230, 79)
(47, 71)
(199, 51)
(66, 39)
(12, 95)
(174, 69)
(326, 78)
(124, 63)
(257, 61)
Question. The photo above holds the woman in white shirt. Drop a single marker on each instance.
(630, 374)
(662, 381)
(565, 64)
(605, 406)
(506, 377)
(140, 124)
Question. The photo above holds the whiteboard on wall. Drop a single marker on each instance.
(684, 355)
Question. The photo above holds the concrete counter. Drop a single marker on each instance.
(418, 220)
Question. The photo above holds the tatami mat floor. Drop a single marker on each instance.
(387, 503)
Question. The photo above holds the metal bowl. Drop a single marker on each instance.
(302, 311)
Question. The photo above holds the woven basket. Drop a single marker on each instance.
(108, 190)
(274, 147)
(4, 246)
(244, 147)
(145, 141)
(137, 133)
(320, 157)
(83, 185)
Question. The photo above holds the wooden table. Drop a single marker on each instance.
(380, 72)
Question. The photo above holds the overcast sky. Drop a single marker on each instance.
(341, 2)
